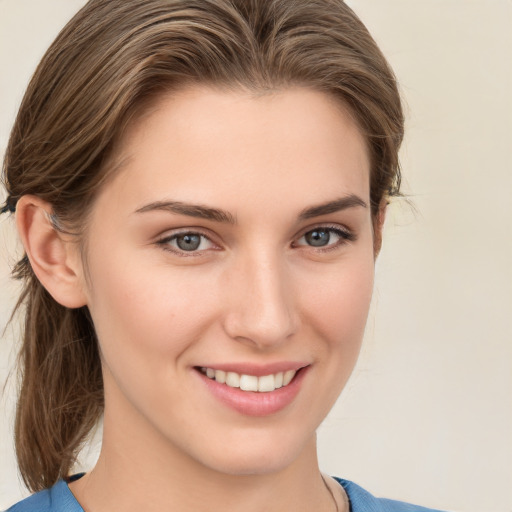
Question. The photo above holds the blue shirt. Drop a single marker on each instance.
(60, 499)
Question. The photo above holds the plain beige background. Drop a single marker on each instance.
(427, 415)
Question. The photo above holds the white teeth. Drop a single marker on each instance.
(220, 376)
(248, 382)
(233, 379)
(266, 383)
(263, 384)
(288, 376)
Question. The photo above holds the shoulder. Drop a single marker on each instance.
(56, 499)
(363, 501)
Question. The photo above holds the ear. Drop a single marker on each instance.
(53, 255)
(378, 226)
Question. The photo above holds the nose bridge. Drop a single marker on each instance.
(262, 308)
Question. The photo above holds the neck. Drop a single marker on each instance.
(155, 475)
(131, 483)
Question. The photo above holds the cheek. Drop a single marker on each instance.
(146, 311)
(334, 314)
(340, 300)
(146, 322)
(337, 311)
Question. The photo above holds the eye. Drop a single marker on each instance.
(325, 237)
(186, 242)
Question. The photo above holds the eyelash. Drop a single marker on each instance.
(345, 236)
(165, 243)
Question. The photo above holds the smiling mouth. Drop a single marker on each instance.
(262, 384)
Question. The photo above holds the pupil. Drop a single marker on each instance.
(188, 242)
(318, 237)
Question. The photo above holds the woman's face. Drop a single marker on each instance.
(235, 242)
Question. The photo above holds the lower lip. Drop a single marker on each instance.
(252, 403)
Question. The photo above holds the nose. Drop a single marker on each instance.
(262, 303)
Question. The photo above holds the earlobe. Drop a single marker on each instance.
(378, 226)
(53, 256)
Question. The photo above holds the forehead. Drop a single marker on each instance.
(222, 145)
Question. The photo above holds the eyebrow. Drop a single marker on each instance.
(343, 203)
(217, 215)
(191, 210)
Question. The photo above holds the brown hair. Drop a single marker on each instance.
(110, 60)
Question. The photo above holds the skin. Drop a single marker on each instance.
(255, 292)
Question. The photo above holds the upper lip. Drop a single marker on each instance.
(258, 370)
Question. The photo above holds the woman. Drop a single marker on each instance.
(200, 188)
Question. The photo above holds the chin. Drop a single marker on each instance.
(261, 464)
(259, 455)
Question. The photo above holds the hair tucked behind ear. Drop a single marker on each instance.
(111, 59)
